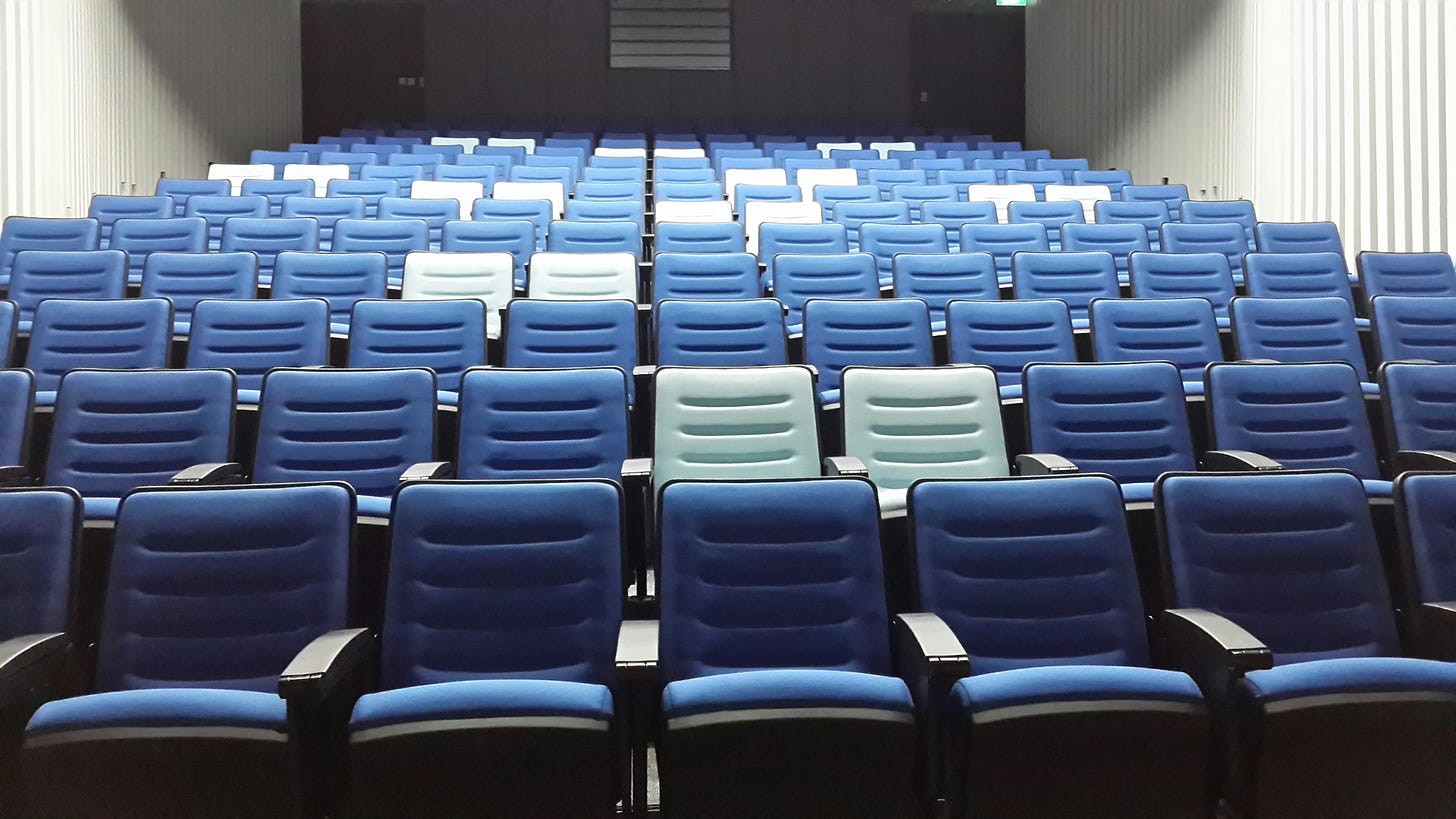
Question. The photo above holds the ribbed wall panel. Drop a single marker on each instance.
(103, 96)
(1314, 109)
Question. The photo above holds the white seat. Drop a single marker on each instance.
(884, 148)
(693, 153)
(582, 276)
(670, 211)
(488, 277)
(825, 147)
(1001, 196)
(501, 142)
(553, 192)
(320, 175)
(734, 177)
(633, 152)
(906, 424)
(1088, 195)
(467, 144)
(793, 213)
(463, 192)
(810, 177)
(237, 174)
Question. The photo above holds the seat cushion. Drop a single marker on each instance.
(1046, 689)
(374, 507)
(100, 508)
(250, 712)
(484, 699)
(788, 691)
(1347, 680)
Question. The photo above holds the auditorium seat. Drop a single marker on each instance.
(433, 212)
(9, 319)
(864, 166)
(1236, 211)
(1008, 335)
(448, 337)
(1225, 237)
(940, 278)
(216, 210)
(759, 213)
(107, 209)
(274, 190)
(405, 176)
(1151, 215)
(715, 276)
(1059, 659)
(38, 275)
(964, 179)
(794, 167)
(753, 176)
(687, 192)
(17, 405)
(1406, 274)
(788, 239)
(201, 721)
(425, 162)
(595, 237)
(826, 734)
(536, 211)
(828, 196)
(1173, 196)
(371, 191)
(251, 337)
(697, 237)
(327, 211)
(954, 215)
(553, 192)
(187, 278)
(916, 196)
(236, 174)
(682, 176)
(338, 278)
(1298, 237)
(854, 214)
(118, 334)
(744, 333)
(141, 237)
(396, 238)
(933, 166)
(1000, 166)
(700, 211)
(1050, 215)
(1066, 167)
(1418, 406)
(355, 162)
(1414, 328)
(487, 277)
(1184, 275)
(1183, 332)
(569, 334)
(1299, 330)
(462, 193)
(1299, 275)
(269, 237)
(800, 278)
(886, 180)
(1002, 195)
(620, 192)
(1344, 724)
(182, 189)
(1120, 240)
(1074, 278)
(879, 332)
(1085, 195)
(484, 175)
(1038, 180)
(884, 241)
(578, 276)
(743, 194)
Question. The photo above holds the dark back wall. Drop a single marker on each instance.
(792, 60)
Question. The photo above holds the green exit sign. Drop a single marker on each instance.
(1010, 2)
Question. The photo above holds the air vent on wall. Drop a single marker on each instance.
(693, 35)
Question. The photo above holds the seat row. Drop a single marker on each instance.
(1028, 680)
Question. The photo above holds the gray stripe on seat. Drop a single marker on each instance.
(1357, 698)
(478, 724)
(756, 714)
(139, 732)
(1043, 709)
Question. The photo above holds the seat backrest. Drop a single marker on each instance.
(113, 334)
(448, 337)
(237, 174)
(1126, 420)
(714, 211)
(553, 334)
(271, 562)
(907, 424)
(1291, 557)
(1001, 195)
(794, 166)
(276, 190)
(883, 241)
(187, 278)
(800, 278)
(1050, 215)
(940, 278)
(481, 174)
(1298, 237)
(757, 214)
(583, 276)
(887, 179)
(606, 192)
(855, 214)
(743, 194)
(320, 175)
(1038, 180)
(461, 192)
(1049, 610)
(954, 215)
(107, 209)
(808, 583)
(1151, 215)
(371, 191)
(810, 179)
(1066, 167)
(753, 176)
(552, 191)
(43, 531)
(1114, 181)
(880, 332)
(1406, 274)
(543, 424)
(918, 195)
(1119, 240)
(1235, 211)
(609, 210)
(1000, 166)
(433, 212)
(326, 211)
(487, 277)
(698, 237)
(1419, 406)
(338, 278)
(1173, 196)
(748, 333)
(363, 427)
(1183, 275)
(404, 175)
(1008, 335)
(777, 239)
(1305, 416)
(183, 189)
(828, 196)
(17, 404)
(1423, 506)
(1414, 328)
(251, 337)
(705, 276)
(269, 237)
(1219, 237)
(486, 600)
(734, 423)
(1086, 195)
(595, 237)
(1181, 331)
(1297, 276)
(1075, 278)
(141, 237)
(1296, 330)
(217, 210)
(38, 275)
(19, 233)
(687, 192)
(425, 162)
(1003, 242)
(115, 431)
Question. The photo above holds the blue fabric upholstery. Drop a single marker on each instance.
(1305, 416)
(276, 190)
(1052, 216)
(881, 332)
(42, 527)
(1298, 237)
(800, 278)
(1225, 237)
(1236, 211)
(1290, 557)
(1421, 404)
(694, 237)
(940, 278)
(1066, 684)
(1127, 420)
(1415, 328)
(548, 334)
(748, 333)
(327, 211)
(595, 237)
(1073, 278)
(396, 238)
(142, 237)
(339, 278)
(252, 337)
(269, 237)
(183, 189)
(1120, 240)
(1003, 242)
(116, 334)
(1406, 274)
(884, 241)
(162, 708)
(1184, 276)
(1008, 335)
(187, 278)
(1428, 504)
(216, 210)
(433, 212)
(725, 276)
(1170, 196)
(785, 689)
(798, 240)
(1181, 331)
(107, 209)
(482, 699)
(447, 336)
(1298, 276)
(1150, 215)
(38, 275)
(1350, 676)
(517, 238)
(371, 191)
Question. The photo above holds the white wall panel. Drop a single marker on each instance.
(103, 96)
(1315, 109)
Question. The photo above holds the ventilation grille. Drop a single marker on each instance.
(693, 35)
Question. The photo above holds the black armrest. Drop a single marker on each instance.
(924, 643)
(1043, 463)
(1437, 627)
(637, 648)
(14, 475)
(1421, 460)
(209, 475)
(637, 668)
(324, 663)
(838, 466)
(429, 471)
(644, 308)
(1238, 460)
(637, 469)
(1212, 649)
(33, 662)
